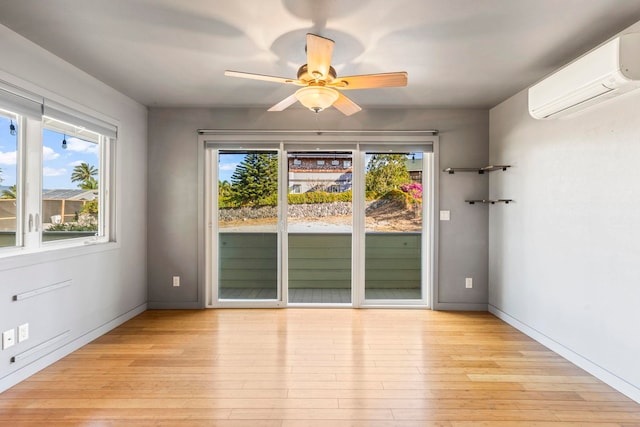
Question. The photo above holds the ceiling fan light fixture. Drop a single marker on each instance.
(317, 98)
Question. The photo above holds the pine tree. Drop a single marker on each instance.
(255, 180)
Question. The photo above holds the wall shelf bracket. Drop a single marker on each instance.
(489, 201)
(480, 171)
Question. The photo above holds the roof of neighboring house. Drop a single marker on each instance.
(68, 194)
(414, 165)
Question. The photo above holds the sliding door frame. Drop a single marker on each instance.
(314, 140)
(428, 229)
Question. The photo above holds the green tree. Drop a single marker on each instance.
(255, 179)
(10, 193)
(89, 184)
(386, 172)
(224, 189)
(84, 173)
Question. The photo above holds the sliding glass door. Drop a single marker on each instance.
(321, 225)
(393, 226)
(247, 225)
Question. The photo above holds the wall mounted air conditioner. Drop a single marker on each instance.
(607, 71)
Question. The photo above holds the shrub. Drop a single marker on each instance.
(72, 226)
(90, 207)
(227, 202)
(413, 189)
(270, 200)
(371, 195)
(396, 195)
(319, 197)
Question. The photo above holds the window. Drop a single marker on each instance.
(9, 206)
(70, 183)
(296, 189)
(65, 156)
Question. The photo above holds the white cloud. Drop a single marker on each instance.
(76, 163)
(8, 158)
(228, 166)
(49, 154)
(81, 146)
(53, 172)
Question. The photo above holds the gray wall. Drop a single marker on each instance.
(106, 283)
(565, 257)
(174, 201)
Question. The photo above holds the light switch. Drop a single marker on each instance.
(445, 215)
(23, 332)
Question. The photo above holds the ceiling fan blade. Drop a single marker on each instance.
(346, 106)
(288, 101)
(262, 77)
(319, 51)
(369, 81)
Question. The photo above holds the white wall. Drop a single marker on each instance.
(564, 259)
(108, 283)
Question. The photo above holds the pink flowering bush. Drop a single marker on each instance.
(414, 190)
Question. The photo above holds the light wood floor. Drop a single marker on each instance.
(315, 367)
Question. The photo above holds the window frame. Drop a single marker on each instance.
(19, 121)
(104, 183)
(29, 171)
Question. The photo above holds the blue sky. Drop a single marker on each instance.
(227, 165)
(57, 163)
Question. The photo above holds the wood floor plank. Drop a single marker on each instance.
(311, 368)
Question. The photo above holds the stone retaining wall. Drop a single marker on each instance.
(312, 210)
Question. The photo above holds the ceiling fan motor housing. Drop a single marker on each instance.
(315, 77)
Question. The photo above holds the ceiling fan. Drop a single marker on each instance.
(321, 87)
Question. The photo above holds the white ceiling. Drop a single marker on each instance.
(458, 53)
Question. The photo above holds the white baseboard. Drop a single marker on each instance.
(459, 306)
(40, 363)
(597, 371)
(195, 305)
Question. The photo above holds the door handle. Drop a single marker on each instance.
(30, 222)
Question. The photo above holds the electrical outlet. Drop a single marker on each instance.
(8, 338)
(23, 332)
(176, 281)
(468, 282)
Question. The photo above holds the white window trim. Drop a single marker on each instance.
(29, 179)
(105, 212)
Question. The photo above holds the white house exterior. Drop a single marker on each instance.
(319, 172)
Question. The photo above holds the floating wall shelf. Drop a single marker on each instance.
(481, 171)
(493, 202)
(490, 168)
